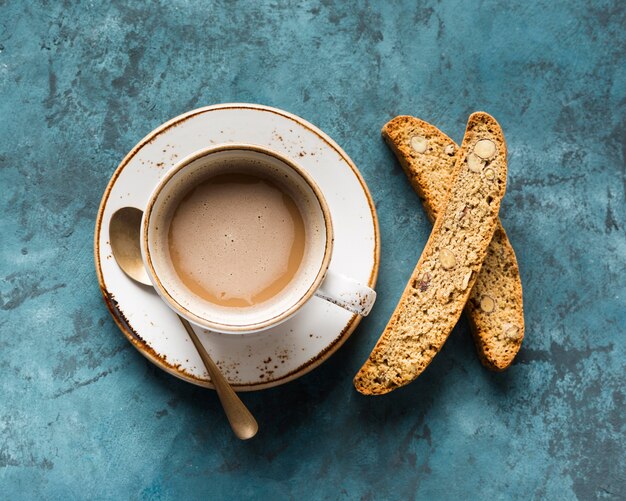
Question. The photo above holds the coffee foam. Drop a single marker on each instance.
(236, 239)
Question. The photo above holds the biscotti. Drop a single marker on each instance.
(495, 307)
(440, 285)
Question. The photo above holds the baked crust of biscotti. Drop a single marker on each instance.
(440, 285)
(495, 308)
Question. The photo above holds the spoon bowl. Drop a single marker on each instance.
(124, 233)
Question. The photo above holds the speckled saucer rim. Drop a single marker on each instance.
(160, 360)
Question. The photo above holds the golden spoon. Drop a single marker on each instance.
(124, 235)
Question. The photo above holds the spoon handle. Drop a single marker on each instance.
(241, 421)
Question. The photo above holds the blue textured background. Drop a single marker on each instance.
(83, 415)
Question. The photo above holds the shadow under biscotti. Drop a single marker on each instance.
(428, 389)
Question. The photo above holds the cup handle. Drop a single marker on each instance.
(347, 293)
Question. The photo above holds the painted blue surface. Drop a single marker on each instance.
(83, 415)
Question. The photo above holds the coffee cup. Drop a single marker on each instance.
(237, 238)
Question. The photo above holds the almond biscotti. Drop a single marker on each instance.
(495, 308)
(448, 267)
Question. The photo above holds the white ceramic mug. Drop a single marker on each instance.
(313, 276)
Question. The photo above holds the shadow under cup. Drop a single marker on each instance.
(259, 163)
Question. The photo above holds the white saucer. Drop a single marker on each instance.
(291, 349)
